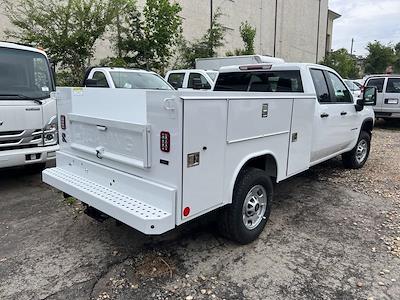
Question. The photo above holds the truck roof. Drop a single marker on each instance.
(109, 69)
(191, 70)
(268, 66)
(20, 47)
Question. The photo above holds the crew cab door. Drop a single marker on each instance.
(335, 116)
(391, 97)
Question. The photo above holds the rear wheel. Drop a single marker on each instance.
(357, 157)
(244, 220)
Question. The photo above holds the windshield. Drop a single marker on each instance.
(139, 80)
(213, 75)
(24, 74)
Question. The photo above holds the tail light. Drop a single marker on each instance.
(63, 124)
(165, 141)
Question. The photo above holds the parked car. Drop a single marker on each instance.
(191, 79)
(388, 99)
(172, 156)
(354, 87)
(122, 78)
(28, 122)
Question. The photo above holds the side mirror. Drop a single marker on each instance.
(370, 95)
(197, 85)
(359, 104)
(91, 83)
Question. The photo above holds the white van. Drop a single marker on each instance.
(388, 99)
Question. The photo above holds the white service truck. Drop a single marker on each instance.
(28, 121)
(158, 159)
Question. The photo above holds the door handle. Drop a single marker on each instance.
(343, 113)
(101, 128)
(324, 115)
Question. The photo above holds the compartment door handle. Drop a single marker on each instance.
(101, 128)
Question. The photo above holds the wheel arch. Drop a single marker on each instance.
(367, 125)
(266, 161)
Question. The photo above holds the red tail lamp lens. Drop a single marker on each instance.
(165, 141)
(186, 211)
(63, 123)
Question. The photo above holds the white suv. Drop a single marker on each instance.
(388, 99)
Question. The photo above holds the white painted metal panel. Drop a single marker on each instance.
(301, 135)
(106, 140)
(246, 120)
(204, 133)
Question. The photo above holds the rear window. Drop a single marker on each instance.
(260, 81)
(393, 85)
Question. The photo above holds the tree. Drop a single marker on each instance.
(67, 30)
(248, 34)
(204, 47)
(146, 40)
(397, 58)
(379, 57)
(342, 62)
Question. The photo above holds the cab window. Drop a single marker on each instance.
(260, 81)
(341, 93)
(377, 82)
(101, 79)
(176, 80)
(321, 86)
(393, 85)
(196, 76)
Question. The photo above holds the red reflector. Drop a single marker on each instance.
(186, 211)
(165, 143)
(63, 123)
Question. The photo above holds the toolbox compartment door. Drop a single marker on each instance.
(300, 139)
(204, 137)
(108, 141)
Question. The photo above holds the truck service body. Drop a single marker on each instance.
(157, 159)
(28, 122)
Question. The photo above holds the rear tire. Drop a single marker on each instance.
(358, 156)
(245, 219)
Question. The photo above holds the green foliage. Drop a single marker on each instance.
(204, 47)
(379, 57)
(67, 30)
(342, 62)
(248, 34)
(70, 200)
(146, 40)
(396, 63)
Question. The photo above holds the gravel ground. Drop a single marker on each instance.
(333, 234)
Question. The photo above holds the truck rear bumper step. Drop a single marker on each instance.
(133, 212)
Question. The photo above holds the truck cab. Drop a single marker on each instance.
(28, 121)
(191, 79)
